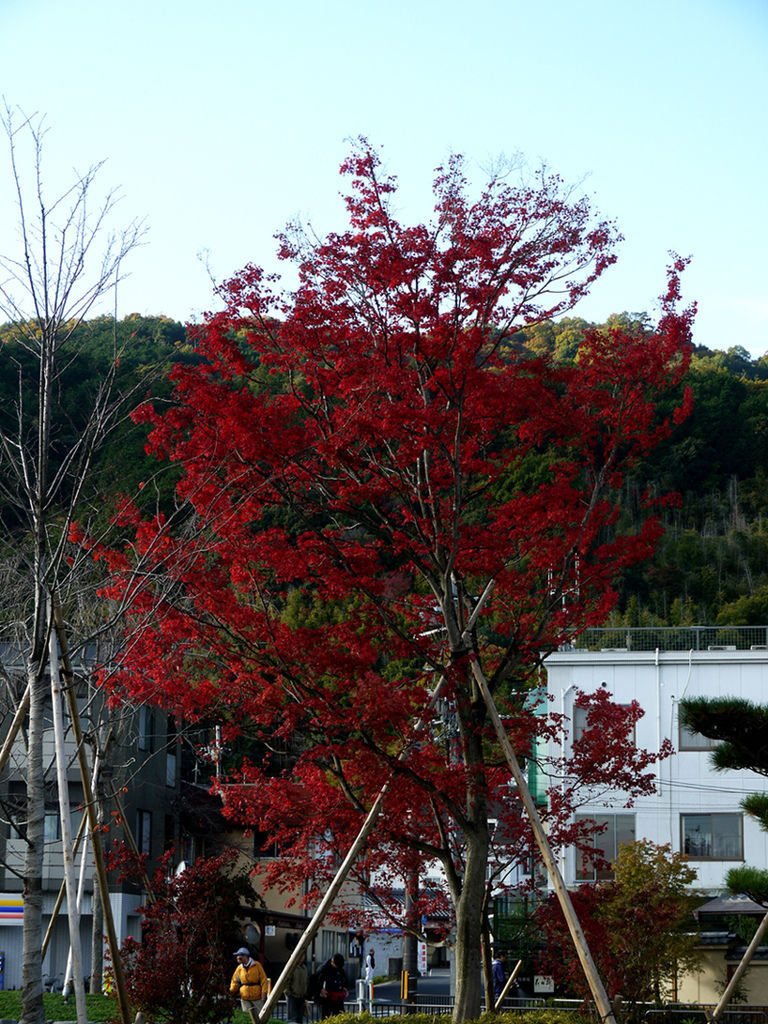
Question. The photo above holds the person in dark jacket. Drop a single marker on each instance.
(333, 986)
(296, 994)
(497, 968)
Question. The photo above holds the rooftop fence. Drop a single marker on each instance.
(675, 638)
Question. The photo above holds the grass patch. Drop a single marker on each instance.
(100, 1008)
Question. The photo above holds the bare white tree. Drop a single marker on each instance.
(68, 259)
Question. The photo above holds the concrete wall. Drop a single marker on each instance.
(706, 986)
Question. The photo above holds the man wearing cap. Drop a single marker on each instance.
(249, 982)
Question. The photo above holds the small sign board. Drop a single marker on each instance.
(543, 984)
(11, 908)
(421, 957)
(269, 929)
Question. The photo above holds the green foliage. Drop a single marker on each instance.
(756, 805)
(713, 559)
(753, 882)
(141, 349)
(740, 726)
(651, 890)
(747, 610)
(100, 1008)
(711, 564)
(542, 1016)
(742, 730)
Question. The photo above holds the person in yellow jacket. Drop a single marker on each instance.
(249, 982)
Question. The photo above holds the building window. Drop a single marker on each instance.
(690, 740)
(581, 723)
(616, 829)
(169, 838)
(172, 739)
(52, 826)
(712, 836)
(144, 831)
(145, 728)
(170, 768)
(333, 942)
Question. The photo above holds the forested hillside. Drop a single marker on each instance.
(711, 566)
(144, 350)
(712, 563)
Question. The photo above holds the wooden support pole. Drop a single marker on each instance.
(738, 974)
(594, 981)
(325, 904)
(508, 985)
(62, 890)
(18, 718)
(128, 833)
(98, 852)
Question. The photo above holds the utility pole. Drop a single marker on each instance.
(410, 935)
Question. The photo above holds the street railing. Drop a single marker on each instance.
(698, 1015)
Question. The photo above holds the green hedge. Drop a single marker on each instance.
(534, 1016)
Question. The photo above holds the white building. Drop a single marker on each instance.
(695, 809)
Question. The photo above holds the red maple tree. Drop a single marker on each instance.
(359, 457)
(639, 925)
(179, 970)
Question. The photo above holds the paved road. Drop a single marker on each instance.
(436, 984)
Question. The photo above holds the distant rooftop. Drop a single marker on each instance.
(675, 638)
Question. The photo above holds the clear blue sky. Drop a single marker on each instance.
(220, 121)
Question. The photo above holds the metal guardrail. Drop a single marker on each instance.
(698, 1015)
(675, 638)
(673, 1013)
(379, 1010)
(440, 1005)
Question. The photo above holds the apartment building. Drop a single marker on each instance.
(136, 785)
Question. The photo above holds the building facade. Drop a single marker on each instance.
(695, 809)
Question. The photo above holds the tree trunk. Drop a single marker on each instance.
(490, 997)
(469, 902)
(97, 928)
(97, 940)
(73, 908)
(469, 930)
(32, 938)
